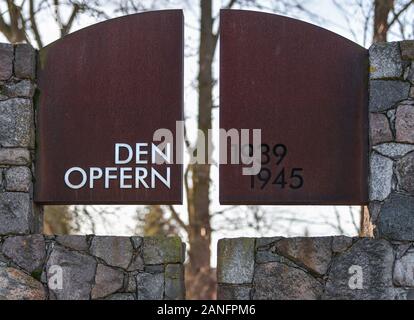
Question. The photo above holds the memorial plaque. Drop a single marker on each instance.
(306, 89)
(103, 92)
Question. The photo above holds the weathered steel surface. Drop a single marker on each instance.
(306, 88)
(114, 82)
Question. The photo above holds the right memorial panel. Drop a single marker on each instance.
(306, 89)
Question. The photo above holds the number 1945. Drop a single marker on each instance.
(279, 176)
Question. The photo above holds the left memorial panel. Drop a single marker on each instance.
(103, 93)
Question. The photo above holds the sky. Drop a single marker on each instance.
(318, 219)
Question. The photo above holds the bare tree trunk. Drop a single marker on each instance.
(382, 9)
(14, 31)
(199, 217)
(366, 226)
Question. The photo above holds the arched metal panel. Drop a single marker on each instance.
(114, 82)
(306, 89)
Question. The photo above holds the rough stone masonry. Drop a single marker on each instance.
(315, 268)
(37, 267)
(391, 108)
(18, 214)
(342, 267)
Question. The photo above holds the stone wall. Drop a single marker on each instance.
(315, 268)
(391, 116)
(34, 266)
(18, 214)
(91, 267)
(341, 267)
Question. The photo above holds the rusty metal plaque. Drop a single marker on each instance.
(306, 89)
(103, 92)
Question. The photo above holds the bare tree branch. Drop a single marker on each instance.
(400, 12)
(66, 27)
(345, 15)
(33, 24)
(177, 218)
